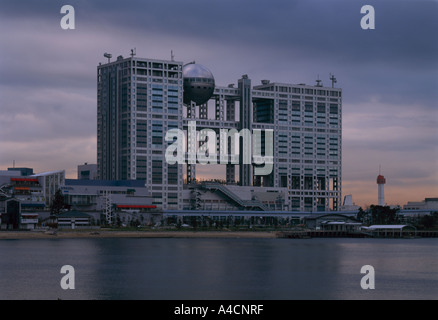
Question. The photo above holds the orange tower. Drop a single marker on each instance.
(381, 182)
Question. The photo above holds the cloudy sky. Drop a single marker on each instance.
(389, 75)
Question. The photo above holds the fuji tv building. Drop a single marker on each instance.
(298, 129)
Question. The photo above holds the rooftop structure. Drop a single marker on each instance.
(87, 171)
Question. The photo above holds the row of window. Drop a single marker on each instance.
(309, 91)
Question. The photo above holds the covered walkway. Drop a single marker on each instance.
(393, 231)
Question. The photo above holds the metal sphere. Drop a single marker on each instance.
(198, 84)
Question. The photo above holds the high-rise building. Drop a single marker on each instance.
(140, 100)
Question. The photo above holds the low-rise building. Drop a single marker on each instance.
(332, 221)
(390, 230)
(426, 204)
(35, 191)
(29, 221)
(12, 218)
(348, 204)
(87, 171)
(94, 195)
(74, 219)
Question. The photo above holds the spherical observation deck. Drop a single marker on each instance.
(198, 84)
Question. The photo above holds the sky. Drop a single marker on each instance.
(388, 75)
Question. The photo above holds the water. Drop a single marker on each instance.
(233, 269)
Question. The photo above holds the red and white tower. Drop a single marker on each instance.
(381, 182)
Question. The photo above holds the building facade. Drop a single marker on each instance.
(87, 171)
(426, 204)
(139, 100)
(36, 191)
(92, 195)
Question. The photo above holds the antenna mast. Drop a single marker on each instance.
(318, 82)
(333, 79)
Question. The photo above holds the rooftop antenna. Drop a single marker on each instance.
(333, 79)
(133, 52)
(172, 56)
(108, 55)
(318, 82)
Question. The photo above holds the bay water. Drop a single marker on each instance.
(218, 269)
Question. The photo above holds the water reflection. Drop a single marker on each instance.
(219, 268)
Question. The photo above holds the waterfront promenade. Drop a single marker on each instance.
(134, 234)
(99, 233)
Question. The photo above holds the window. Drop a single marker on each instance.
(157, 171)
(321, 108)
(172, 176)
(333, 109)
(295, 182)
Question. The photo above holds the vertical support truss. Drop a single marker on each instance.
(191, 145)
(107, 207)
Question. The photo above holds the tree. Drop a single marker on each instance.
(361, 214)
(383, 215)
(57, 204)
(427, 221)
